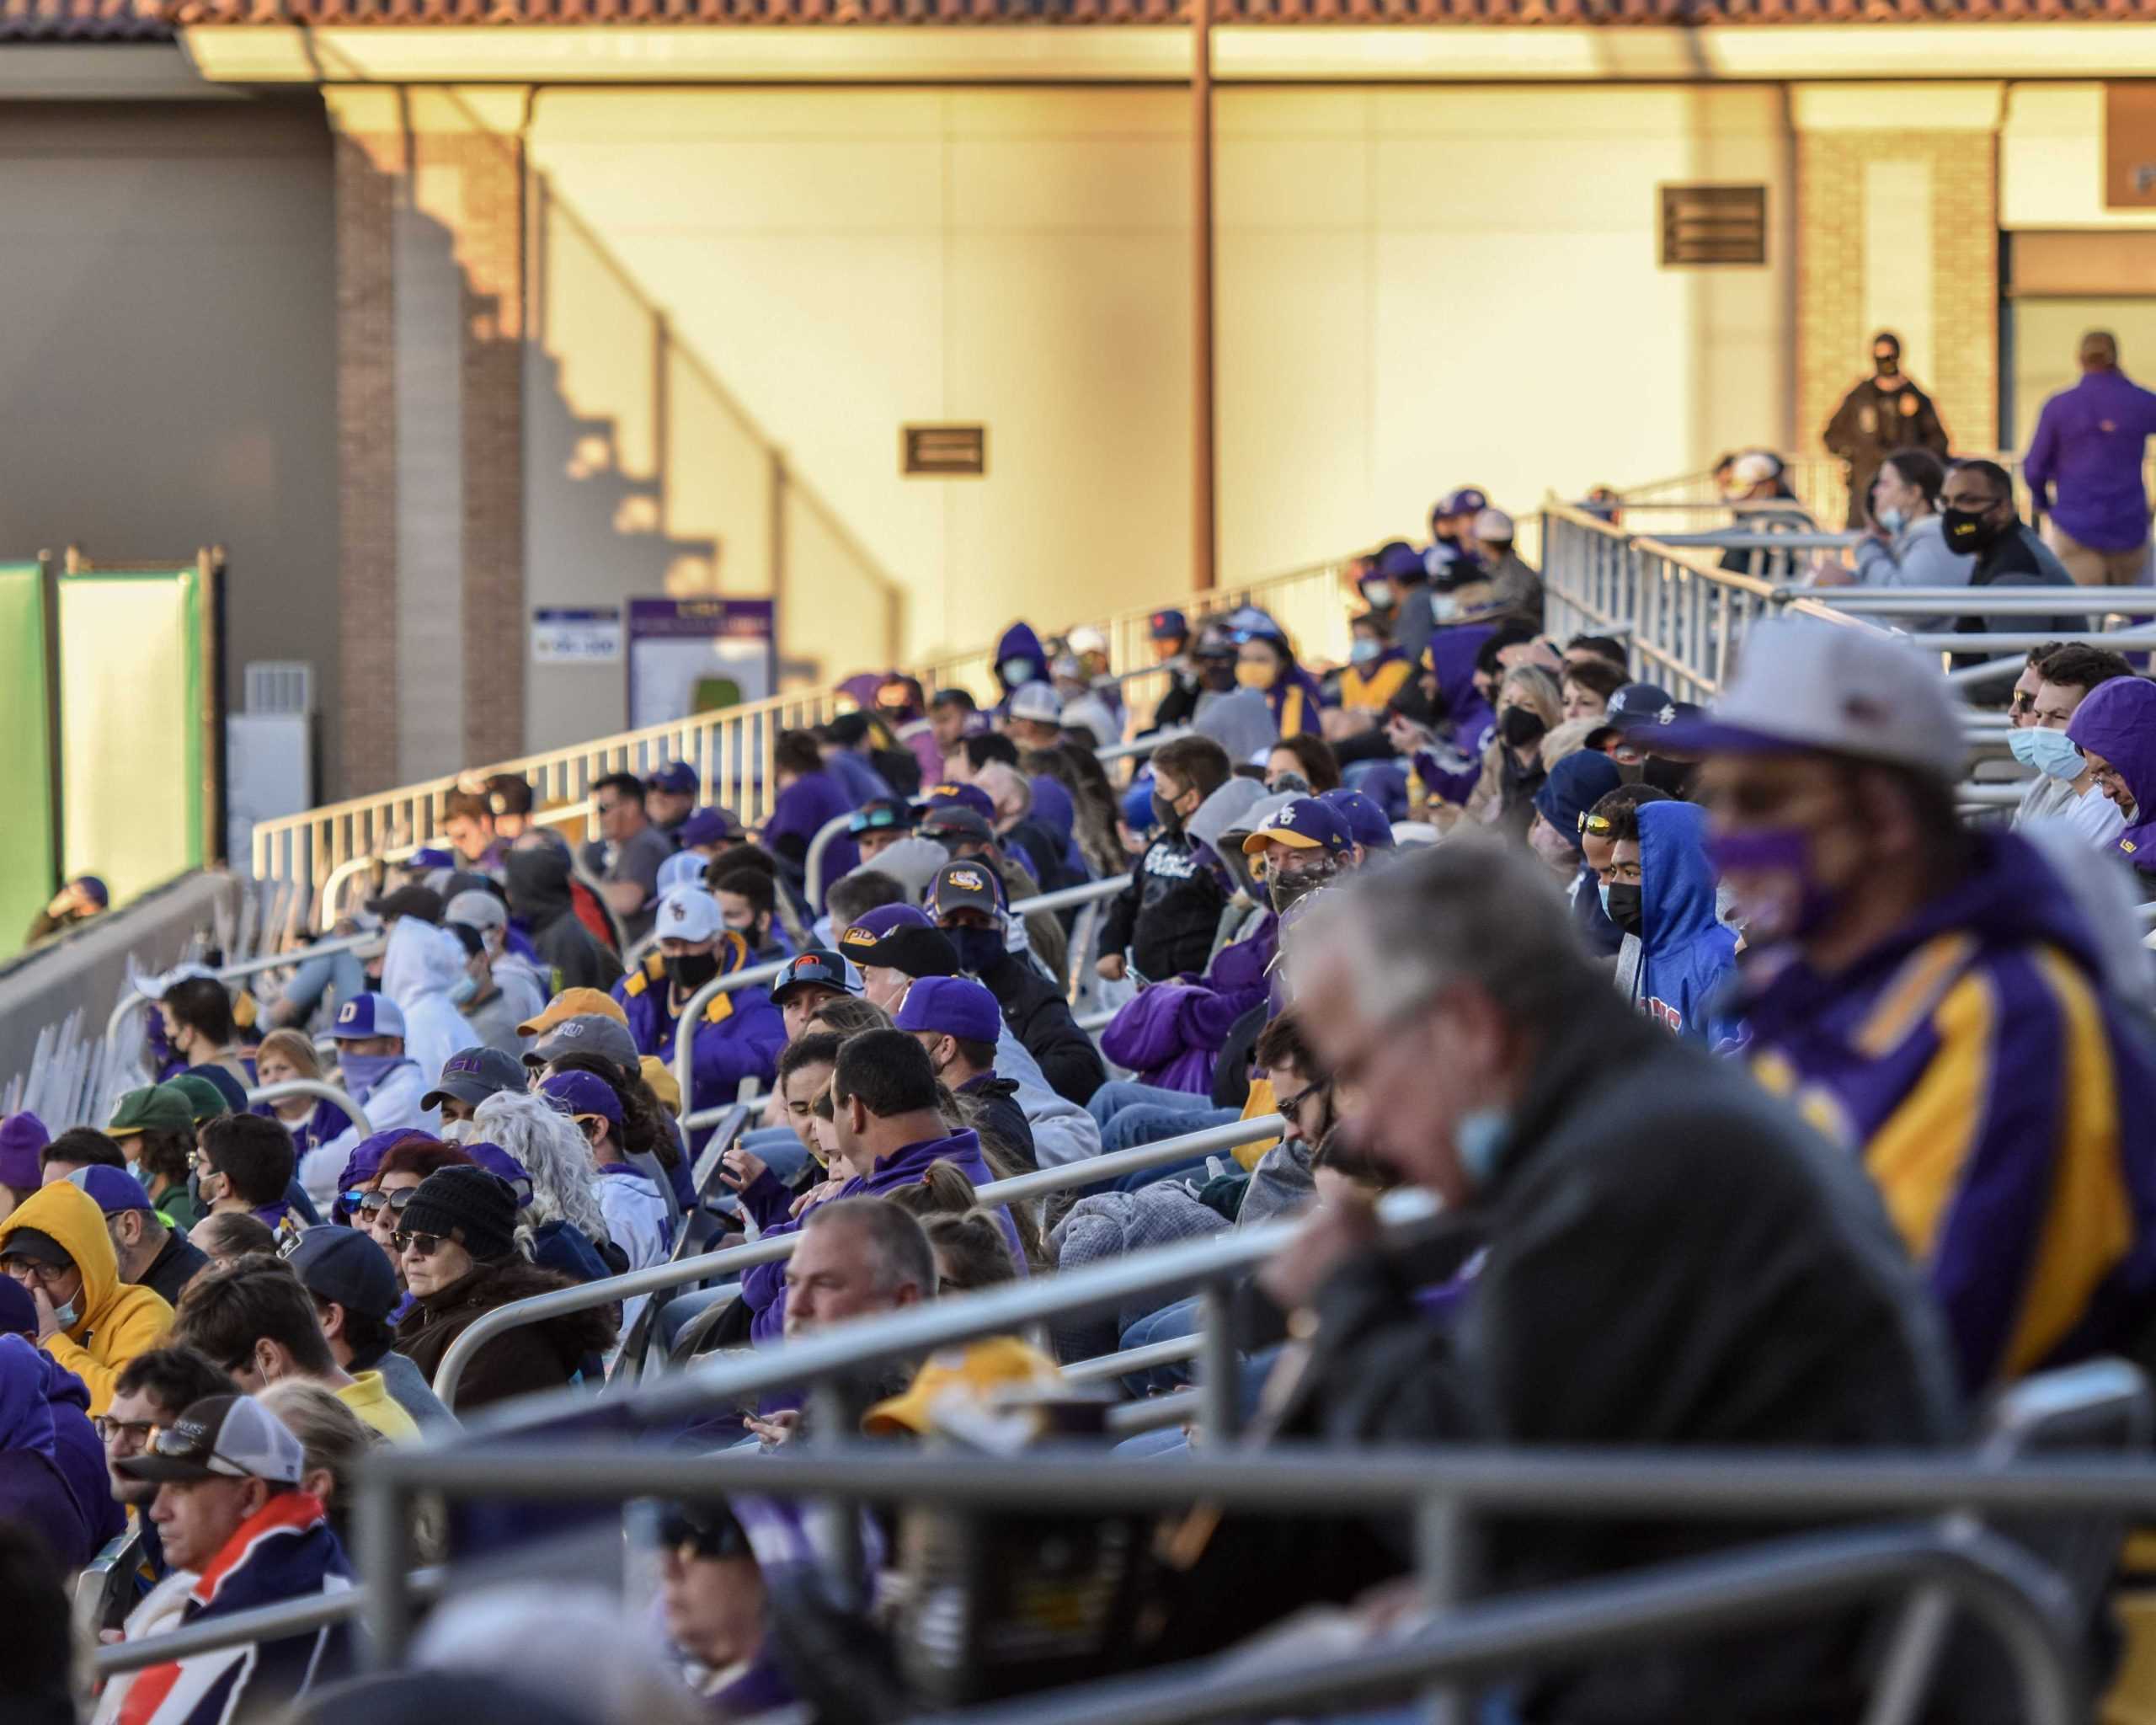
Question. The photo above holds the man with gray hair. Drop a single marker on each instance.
(858, 1257)
(1670, 1257)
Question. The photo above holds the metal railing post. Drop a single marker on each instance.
(1219, 1367)
(1445, 1564)
(812, 867)
(383, 1536)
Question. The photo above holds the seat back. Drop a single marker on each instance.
(105, 1589)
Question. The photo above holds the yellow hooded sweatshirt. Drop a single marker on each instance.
(116, 1319)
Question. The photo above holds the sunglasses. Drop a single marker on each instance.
(2021, 703)
(417, 1245)
(370, 1202)
(1287, 1105)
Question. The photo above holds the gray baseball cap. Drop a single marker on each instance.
(589, 1033)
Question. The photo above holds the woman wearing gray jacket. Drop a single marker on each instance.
(1905, 546)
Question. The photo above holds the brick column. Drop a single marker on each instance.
(368, 168)
(1938, 168)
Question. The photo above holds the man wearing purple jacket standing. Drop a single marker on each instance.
(2083, 469)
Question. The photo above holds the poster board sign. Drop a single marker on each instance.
(576, 635)
(699, 656)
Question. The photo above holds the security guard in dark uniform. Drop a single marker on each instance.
(1885, 413)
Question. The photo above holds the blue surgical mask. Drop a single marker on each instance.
(1017, 672)
(2047, 751)
(1378, 595)
(1443, 607)
(1894, 520)
(463, 990)
(362, 1072)
(66, 1315)
(1481, 1139)
(1365, 649)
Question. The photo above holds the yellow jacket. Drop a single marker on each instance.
(118, 1320)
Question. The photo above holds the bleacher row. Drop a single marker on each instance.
(2004, 1537)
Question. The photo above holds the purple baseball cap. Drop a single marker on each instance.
(952, 1005)
(1467, 500)
(956, 796)
(709, 825)
(22, 1136)
(1366, 822)
(113, 1190)
(364, 1161)
(1304, 824)
(497, 1160)
(578, 1094)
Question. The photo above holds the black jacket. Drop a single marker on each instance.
(1040, 1018)
(1674, 1258)
(1166, 916)
(168, 1274)
(536, 882)
(999, 1114)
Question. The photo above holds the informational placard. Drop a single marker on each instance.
(698, 655)
(572, 635)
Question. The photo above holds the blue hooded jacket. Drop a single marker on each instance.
(1687, 955)
(1020, 641)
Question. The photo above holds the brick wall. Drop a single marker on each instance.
(1833, 330)
(367, 167)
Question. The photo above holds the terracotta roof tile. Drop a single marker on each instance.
(152, 20)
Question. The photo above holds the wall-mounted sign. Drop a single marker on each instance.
(589, 635)
(2130, 146)
(943, 451)
(697, 655)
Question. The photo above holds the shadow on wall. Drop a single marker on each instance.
(645, 475)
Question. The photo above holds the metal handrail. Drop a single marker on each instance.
(693, 1011)
(659, 1278)
(131, 998)
(1138, 747)
(1979, 601)
(314, 1087)
(812, 865)
(1152, 1354)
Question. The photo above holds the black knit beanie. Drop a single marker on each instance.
(483, 1205)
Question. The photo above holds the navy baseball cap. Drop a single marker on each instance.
(114, 1190)
(1366, 822)
(881, 814)
(965, 886)
(954, 824)
(951, 1005)
(367, 1015)
(345, 1268)
(94, 891)
(938, 798)
(1304, 824)
(1468, 500)
(1168, 625)
(1630, 708)
(1400, 561)
(472, 1075)
(817, 968)
(677, 777)
(710, 826)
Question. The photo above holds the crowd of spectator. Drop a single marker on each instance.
(1763, 1101)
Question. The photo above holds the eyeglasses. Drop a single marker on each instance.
(144, 1432)
(369, 1202)
(417, 1245)
(1287, 1105)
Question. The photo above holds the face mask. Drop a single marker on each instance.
(1769, 913)
(1290, 885)
(1364, 650)
(1253, 675)
(1673, 778)
(1480, 1139)
(463, 990)
(1378, 595)
(2047, 751)
(1015, 672)
(362, 1072)
(690, 971)
(1894, 520)
(1549, 845)
(1520, 725)
(1165, 816)
(1443, 607)
(1887, 365)
(1965, 531)
(66, 1315)
(1621, 904)
(1217, 677)
(978, 948)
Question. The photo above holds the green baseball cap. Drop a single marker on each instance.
(205, 1099)
(159, 1107)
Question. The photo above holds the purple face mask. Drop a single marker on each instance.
(1787, 904)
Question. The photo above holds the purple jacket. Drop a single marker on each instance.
(80, 1453)
(763, 1287)
(34, 1491)
(803, 810)
(2118, 722)
(1170, 1034)
(2088, 447)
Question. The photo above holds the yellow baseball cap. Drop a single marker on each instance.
(573, 1003)
(660, 1076)
(974, 1374)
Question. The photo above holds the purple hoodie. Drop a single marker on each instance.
(1170, 1033)
(2118, 722)
(35, 1489)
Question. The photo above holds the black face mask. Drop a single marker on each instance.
(1673, 778)
(978, 948)
(1520, 725)
(1968, 530)
(1165, 816)
(1626, 909)
(690, 971)
(1887, 365)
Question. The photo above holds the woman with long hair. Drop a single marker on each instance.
(564, 1197)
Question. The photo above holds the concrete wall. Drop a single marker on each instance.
(721, 277)
(168, 365)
